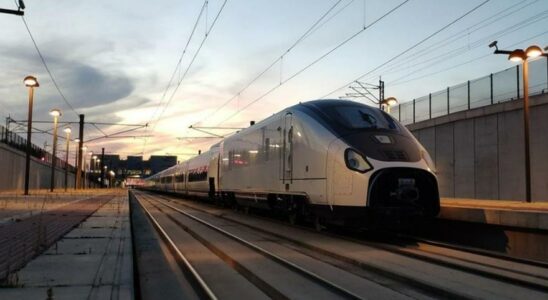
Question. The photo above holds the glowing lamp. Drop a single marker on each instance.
(30, 81)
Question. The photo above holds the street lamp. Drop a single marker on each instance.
(56, 113)
(84, 149)
(520, 55)
(31, 83)
(112, 174)
(388, 102)
(67, 131)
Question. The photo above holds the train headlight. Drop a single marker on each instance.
(355, 161)
(428, 160)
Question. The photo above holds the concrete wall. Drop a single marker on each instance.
(12, 172)
(480, 153)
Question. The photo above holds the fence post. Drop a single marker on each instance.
(430, 106)
(491, 80)
(413, 111)
(517, 79)
(448, 103)
(399, 112)
(468, 94)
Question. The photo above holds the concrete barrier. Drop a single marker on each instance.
(12, 162)
(480, 153)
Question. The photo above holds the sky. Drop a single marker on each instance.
(118, 61)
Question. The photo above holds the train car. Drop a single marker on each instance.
(335, 160)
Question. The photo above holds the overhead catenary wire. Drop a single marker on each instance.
(432, 61)
(190, 63)
(315, 61)
(301, 38)
(177, 68)
(43, 60)
(466, 62)
(435, 60)
(427, 50)
(207, 34)
(410, 48)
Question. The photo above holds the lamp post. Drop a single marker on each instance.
(31, 83)
(84, 154)
(67, 131)
(112, 174)
(520, 55)
(387, 103)
(77, 141)
(56, 113)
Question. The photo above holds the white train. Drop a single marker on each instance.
(335, 160)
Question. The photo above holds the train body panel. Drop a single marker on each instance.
(333, 156)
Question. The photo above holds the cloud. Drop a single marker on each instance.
(90, 87)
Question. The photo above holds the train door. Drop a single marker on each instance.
(287, 156)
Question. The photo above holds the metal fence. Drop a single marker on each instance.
(495, 88)
(14, 140)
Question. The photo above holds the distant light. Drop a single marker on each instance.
(299, 133)
(517, 55)
(68, 130)
(237, 155)
(30, 81)
(391, 101)
(77, 140)
(55, 112)
(253, 151)
(533, 51)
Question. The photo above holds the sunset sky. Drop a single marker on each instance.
(113, 60)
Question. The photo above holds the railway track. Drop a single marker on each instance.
(405, 272)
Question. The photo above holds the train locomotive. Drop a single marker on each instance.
(331, 160)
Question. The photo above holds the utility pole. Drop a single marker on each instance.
(364, 90)
(381, 92)
(79, 154)
(102, 166)
(18, 12)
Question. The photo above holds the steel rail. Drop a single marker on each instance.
(496, 276)
(324, 282)
(201, 282)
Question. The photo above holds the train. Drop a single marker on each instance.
(330, 161)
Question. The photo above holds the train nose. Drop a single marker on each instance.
(407, 194)
(404, 188)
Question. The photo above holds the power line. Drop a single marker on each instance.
(464, 63)
(316, 61)
(307, 33)
(417, 55)
(177, 67)
(188, 67)
(46, 66)
(190, 64)
(410, 48)
(478, 43)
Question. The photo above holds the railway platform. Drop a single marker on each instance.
(92, 261)
(496, 212)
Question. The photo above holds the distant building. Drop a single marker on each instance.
(159, 163)
(133, 166)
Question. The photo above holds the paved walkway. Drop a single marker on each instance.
(497, 212)
(93, 261)
(495, 204)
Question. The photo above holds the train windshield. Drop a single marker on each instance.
(362, 117)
